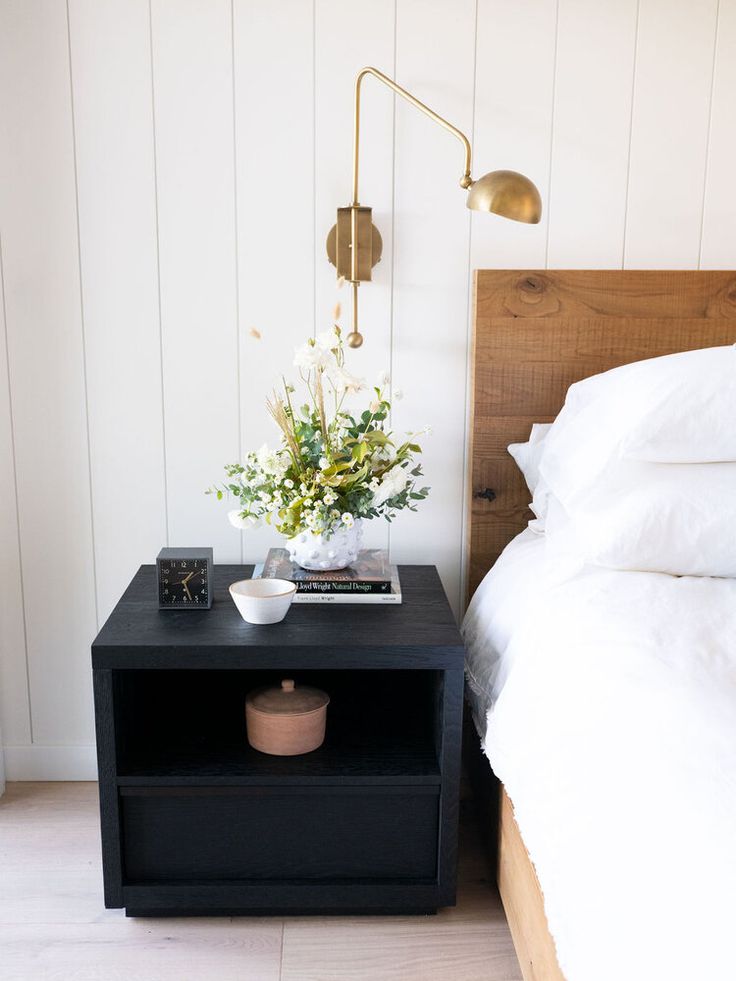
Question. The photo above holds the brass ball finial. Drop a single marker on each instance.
(354, 339)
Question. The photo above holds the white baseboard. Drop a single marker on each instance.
(50, 762)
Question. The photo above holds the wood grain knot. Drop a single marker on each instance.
(487, 494)
(531, 289)
(532, 284)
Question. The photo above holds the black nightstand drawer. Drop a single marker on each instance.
(235, 833)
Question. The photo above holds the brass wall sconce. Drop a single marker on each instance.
(354, 244)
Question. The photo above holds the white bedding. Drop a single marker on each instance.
(607, 706)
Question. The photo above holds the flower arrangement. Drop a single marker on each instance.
(331, 468)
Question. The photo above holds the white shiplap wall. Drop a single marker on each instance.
(168, 173)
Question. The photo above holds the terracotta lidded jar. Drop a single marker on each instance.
(286, 721)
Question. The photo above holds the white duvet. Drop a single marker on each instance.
(608, 709)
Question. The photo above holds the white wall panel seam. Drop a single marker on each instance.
(314, 165)
(81, 317)
(15, 486)
(236, 251)
(158, 276)
(631, 132)
(708, 131)
(668, 151)
(466, 475)
(552, 134)
(393, 250)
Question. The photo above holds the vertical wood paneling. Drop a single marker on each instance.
(46, 354)
(193, 106)
(274, 127)
(435, 57)
(15, 717)
(513, 121)
(718, 249)
(349, 36)
(113, 115)
(213, 145)
(672, 87)
(592, 121)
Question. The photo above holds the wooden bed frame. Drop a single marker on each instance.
(535, 333)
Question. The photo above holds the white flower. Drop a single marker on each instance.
(270, 461)
(375, 406)
(347, 519)
(242, 523)
(329, 498)
(313, 354)
(324, 462)
(328, 339)
(343, 381)
(383, 380)
(392, 484)
(289, 483)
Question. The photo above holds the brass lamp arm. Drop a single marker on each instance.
(465, 181)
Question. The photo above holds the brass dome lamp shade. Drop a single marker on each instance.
(354, 243)
(508, 194)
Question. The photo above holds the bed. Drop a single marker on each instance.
(536, 333)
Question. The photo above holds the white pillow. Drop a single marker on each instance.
(680, 408)
(527, 457)
(673, 518)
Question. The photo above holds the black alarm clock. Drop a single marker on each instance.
(184, 577)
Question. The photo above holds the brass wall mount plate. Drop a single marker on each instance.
(369, 252)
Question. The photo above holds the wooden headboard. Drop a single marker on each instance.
(538, 332)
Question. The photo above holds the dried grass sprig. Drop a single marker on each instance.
(319, 398)
(277, 410)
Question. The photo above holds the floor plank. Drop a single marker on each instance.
(54, 927)
(143, 950)
(381, 951)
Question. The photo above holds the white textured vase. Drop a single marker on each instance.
(318, 553)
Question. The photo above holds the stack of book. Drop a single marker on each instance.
(370, 579)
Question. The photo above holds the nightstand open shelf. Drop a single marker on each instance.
(188, 728)
(196, 821)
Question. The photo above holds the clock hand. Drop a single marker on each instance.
(186, 589)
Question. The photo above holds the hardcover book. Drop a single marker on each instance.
(370, 579)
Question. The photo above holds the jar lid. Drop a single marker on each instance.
(288, 699)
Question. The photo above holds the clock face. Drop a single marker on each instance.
(183, 582)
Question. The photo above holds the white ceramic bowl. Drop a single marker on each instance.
(263, 600)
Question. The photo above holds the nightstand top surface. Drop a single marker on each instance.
(420, 632)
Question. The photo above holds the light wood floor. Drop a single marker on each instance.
(53, 924)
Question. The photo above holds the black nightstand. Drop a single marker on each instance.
(195, 821)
